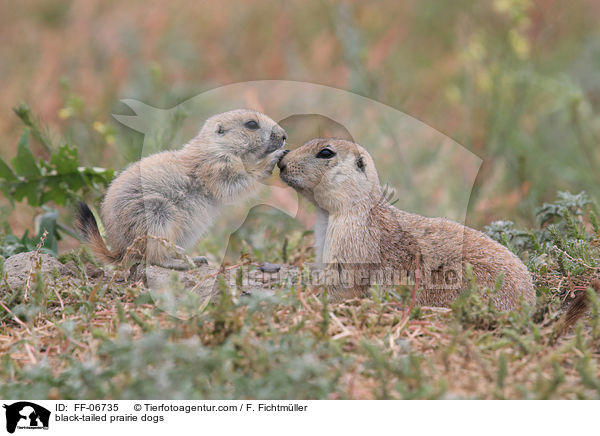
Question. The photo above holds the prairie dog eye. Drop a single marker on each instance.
(252, 125)
(325, 153)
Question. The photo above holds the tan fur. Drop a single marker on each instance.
(176, 195)
(359, 233)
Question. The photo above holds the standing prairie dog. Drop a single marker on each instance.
(176, 195)
(360, 237)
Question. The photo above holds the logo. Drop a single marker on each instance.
(26, 415)
(419, 162)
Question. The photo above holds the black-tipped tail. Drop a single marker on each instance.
(578, 307)
(86, 223)
(88, 227)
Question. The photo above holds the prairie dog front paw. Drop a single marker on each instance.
(272, 160)
(278, 155)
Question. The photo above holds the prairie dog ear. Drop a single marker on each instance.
(360, 163)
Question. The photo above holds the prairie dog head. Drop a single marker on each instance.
(245, 136)
(335, 174)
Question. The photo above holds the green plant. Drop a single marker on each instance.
(59, 180)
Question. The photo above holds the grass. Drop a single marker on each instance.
(107, 339)
(513, 81)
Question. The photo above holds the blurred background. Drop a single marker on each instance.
(514, 82)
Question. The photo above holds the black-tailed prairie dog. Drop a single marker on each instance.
(172, 197)
(360, 238)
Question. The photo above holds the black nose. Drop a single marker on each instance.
(280, 163)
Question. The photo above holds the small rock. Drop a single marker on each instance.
(200, 260)
(201, 279)
(18, 268)
(270, 267)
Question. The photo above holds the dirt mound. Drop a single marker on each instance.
(20, 268)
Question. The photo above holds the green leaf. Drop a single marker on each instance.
(23, 112)
(6, 172)
(24, 163)
(5, 189)
(65, 159)
(29, 190)
(56, 190)
(58, 196)
(94, 177)
(73, 181)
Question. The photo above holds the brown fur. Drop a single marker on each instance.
(176, 195)
(576, 310)
(358, 232)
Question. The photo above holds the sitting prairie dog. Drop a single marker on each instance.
(360, 236)
(176, 195)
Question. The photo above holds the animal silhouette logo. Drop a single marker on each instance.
(26, 415)
(432, 174)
